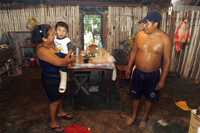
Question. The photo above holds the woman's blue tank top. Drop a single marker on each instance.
(48, 69)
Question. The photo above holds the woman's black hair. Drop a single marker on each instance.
(39, 32)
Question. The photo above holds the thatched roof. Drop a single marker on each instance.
(93, 3)
(162, 3)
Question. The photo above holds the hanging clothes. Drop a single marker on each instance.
(182, 35)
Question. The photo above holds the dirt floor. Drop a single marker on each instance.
(24, 107)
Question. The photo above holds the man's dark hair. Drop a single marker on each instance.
(39, 32)
(62, 24)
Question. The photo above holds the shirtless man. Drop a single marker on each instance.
(150, 47)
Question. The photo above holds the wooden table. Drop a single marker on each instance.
(80, 74)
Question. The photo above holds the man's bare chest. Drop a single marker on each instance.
(150, 45)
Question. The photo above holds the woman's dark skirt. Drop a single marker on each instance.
(51, 84)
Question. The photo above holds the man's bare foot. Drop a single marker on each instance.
(142, 124)
(130, 120)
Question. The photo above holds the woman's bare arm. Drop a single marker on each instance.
(50, 57)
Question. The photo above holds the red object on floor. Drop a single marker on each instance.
(75, 128)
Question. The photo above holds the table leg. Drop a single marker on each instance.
(80, 81)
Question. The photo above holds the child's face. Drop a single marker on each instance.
(61, 32)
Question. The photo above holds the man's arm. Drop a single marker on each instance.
(132, 57)
(166, 60)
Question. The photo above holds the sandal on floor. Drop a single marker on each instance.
(66, 116)
(57, 129)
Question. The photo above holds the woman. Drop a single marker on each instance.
(43, 36)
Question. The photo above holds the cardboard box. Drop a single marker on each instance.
(194, 122)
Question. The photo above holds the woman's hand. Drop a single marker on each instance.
(70, 58)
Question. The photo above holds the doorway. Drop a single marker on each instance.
(92, 25)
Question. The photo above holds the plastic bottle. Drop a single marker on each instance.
(77, 55)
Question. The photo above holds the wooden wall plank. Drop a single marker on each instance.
(120, 23)
(16, 19)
